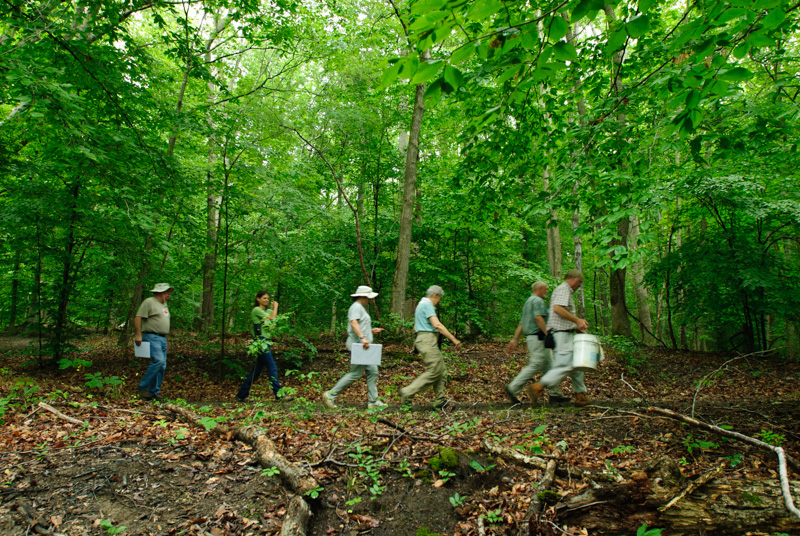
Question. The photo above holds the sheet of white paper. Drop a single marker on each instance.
(370, 356)
(143, 350)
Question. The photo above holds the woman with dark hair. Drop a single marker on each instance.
(265, 358)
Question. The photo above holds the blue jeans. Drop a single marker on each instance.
(266, 359)
(154, 374)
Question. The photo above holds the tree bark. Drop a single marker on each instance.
(400, 278)
(620, 323)
(642, 297)
(12, 320)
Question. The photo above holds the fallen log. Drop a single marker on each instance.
(533, 461)
(724, 504)
(296, 478)
(783, 473)
(543, 495)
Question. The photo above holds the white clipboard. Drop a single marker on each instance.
(370, 356)
(143, 350)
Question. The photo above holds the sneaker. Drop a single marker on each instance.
(328, 400)
(377, 404)
(442, 404)
(404, 400)
(514, 399)
(555, 399)
(535, 392)
(581, 399)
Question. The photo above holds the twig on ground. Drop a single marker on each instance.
(631, 387)
(693, 485)
(60, 415)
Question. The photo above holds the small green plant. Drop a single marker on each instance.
(457, 500)
(643, 531)
(314, 493)
(110, 528)
(690, 443)
(493, 516)
(734, 460)
(353, 501)
(446, 475)
(404, 469)
(369, 469)
(627, 449)
(180, 435)
(209, 423)
(270, 471)
(537, 441)
(76, 363)
(772, 438)
(481, 469)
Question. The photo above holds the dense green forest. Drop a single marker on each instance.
(225, 146)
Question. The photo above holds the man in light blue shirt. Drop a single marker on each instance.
(428, 327)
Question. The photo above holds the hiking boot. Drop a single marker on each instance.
(442, 404)
(240, 399)
(555, 399)
(514, 399)
(377, 404)
(146, 395)
(328, 400)
(535, 392)
(581, 399)
(159, 397)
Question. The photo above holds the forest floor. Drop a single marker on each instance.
(137, 465)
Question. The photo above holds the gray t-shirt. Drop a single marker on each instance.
(534, 307)
(358, 312)
(155, 316)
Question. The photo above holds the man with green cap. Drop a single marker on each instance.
(152, 326)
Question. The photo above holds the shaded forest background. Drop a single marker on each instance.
(225, 146)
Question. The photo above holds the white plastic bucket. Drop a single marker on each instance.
(586, 352)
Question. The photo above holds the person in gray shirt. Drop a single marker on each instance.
(359, 331)
(534, 326)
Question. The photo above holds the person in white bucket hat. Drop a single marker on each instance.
(152, 325)
(359, 331)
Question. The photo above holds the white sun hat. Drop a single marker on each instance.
(365, 291)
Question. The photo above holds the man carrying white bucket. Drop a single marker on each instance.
(563, 324)
(534, 326)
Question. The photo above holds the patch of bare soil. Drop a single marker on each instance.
(138, 465)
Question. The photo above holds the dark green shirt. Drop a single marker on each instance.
(534, 306)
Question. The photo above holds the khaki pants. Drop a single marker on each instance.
(539, 362)
(435, 372)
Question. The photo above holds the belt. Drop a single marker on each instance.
(563, 331)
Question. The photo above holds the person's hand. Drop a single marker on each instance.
(457, 343)
(274, 305)
(138, 340)
(582, 324)
(375, 331)
(365, 345)
(512, 347)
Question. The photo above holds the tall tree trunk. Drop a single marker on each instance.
(637, 275)
(12, 320)
(553, 237)
(620, 323)
(400, 278)
(65, 285)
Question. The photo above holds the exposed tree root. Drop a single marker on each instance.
(533, 461)
(60, 415)
(297, 479)
(538, 526)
